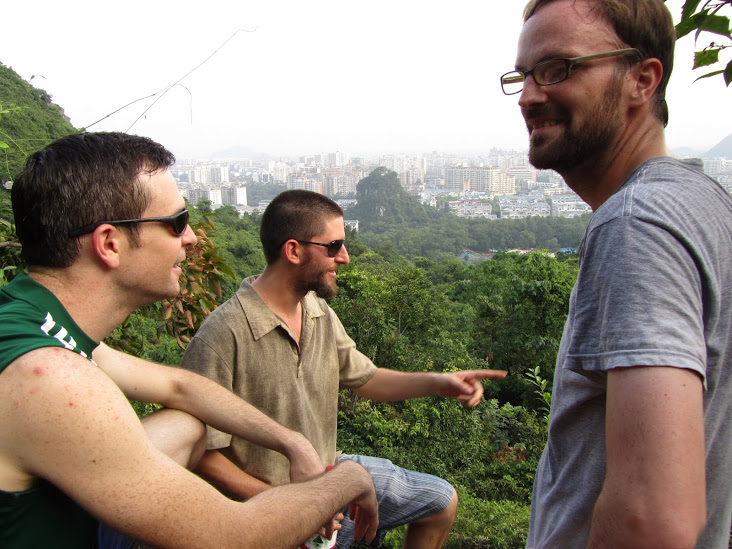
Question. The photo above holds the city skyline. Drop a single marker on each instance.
(293, 78)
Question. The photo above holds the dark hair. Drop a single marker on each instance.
(643, 24)
(294, 214)
(75, 181)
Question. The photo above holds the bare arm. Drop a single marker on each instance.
(654, 492)
(391, 385)
(217, 469)
(183, 390)
(63, 420)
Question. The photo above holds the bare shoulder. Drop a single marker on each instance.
(63, 419)
(57, 410)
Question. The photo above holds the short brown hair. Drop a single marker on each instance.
(75, 181)
(643, 24)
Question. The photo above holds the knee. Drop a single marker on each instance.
(192, 433)
(445, 518)
(177, 434)
(449, 513)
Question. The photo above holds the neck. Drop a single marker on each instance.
(276, 288)
(599, 177)
(87, 298)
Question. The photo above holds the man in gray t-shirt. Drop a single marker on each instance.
(639, 449)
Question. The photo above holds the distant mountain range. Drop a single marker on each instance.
(723, 149)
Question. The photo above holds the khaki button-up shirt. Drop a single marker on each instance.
(248, 349)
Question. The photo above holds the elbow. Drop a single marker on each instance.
(676, 533)
(673, 532)
(672, 527)
(178, 391)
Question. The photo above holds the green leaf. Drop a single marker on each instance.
(685, 26)
(701, 22)
(714, 73)
(4, 145)
(718, 24)
(728, 74)
(689, 8)
(705, 58)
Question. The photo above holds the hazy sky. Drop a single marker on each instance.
(305, 76)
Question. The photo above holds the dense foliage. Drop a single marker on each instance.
(28, 121)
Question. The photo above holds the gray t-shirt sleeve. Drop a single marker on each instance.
(637, 307)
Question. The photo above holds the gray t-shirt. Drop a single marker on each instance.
(654, 289)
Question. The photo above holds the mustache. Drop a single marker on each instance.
(540, 111)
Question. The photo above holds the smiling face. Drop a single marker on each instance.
(573, 121)
(152, 269)
(317, 271)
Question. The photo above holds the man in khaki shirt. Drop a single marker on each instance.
(279, 346)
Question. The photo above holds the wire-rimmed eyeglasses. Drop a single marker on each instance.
(178, 222)
(553, 71)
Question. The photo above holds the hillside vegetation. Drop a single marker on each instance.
(29, 120)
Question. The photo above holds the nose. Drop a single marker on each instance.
(188, 238)
(532, 92)
(342, 256)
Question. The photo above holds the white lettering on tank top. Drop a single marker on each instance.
(60, 333)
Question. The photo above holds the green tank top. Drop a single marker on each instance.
(31, 318)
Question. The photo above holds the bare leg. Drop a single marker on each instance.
(179, 435)
(431, 531)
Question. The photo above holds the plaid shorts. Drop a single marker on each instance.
(404, 496)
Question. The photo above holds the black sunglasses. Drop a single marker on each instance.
(333, 247)
(178, 222)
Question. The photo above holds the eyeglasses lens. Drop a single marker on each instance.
(180, 222)
(335, 247)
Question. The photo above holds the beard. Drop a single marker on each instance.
(578, 144)
(315, 280)
(323, 288)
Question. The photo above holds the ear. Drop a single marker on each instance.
(647, 77)
(106, 243)
(292, 252)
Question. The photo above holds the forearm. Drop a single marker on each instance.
(223, 410)
(391, 385)
(228, 478)
(309, 505)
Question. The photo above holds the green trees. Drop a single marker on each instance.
(383, 202)
(521, 303)
(432, 316)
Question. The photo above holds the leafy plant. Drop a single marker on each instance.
(707, 18)
(542, 390)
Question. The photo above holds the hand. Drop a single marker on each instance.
(364, 510)
(365, 513)
(331, 526)
(466, 386)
